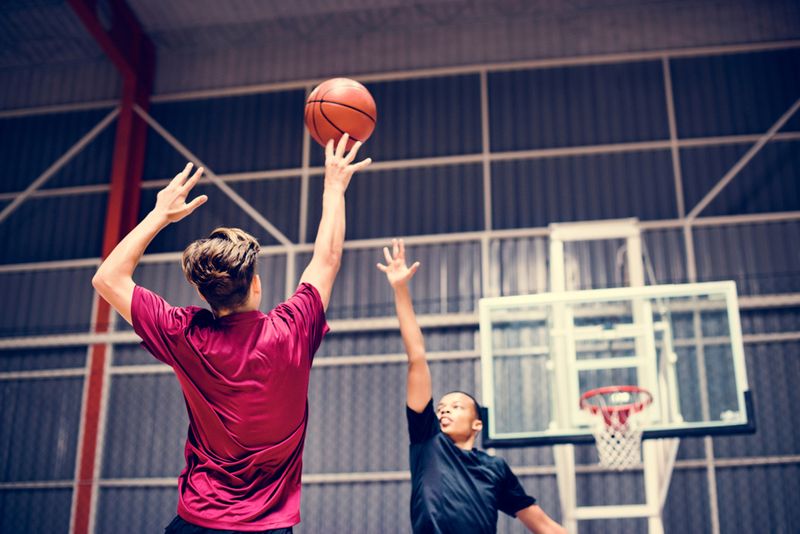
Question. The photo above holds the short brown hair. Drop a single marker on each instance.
(222, 266)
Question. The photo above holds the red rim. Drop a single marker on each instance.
(622, 409)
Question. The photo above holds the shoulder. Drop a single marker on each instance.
(310, 290)
(197, 310)
(495, 463)
(304, 302)
(307, 292)
(148, 307)
(310, 302)
(422, 426)
(197, 316)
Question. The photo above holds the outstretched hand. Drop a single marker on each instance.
(339, 168)
(396, 270)
(171, 201)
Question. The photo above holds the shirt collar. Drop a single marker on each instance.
(240, 317)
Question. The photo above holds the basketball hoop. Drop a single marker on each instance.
(618, 431)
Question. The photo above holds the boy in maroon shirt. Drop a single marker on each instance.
(244, 374)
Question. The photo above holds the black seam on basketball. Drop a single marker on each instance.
(334, 124)
(322, 97)
(314, 121)
(344, 105)
(323, 114)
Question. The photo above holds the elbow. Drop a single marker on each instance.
(335, 260)
(100, 285)
(98, 281)
(334, 257)
(101, 282)
(416, 357)
(331, 259)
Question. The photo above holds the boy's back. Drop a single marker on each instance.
(244, 377)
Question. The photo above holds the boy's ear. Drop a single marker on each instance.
(477, 424)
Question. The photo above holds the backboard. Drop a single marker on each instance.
(683, 343)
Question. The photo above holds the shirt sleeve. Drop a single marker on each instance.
(156, 322)
(304, 315)
(511, 496)
(422, 426)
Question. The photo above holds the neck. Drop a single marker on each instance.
(465, 444)
(241, 309)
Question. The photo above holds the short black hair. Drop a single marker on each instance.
(478, 412)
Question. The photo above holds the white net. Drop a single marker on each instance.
(619, 440)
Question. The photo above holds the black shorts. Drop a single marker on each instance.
(180, 526)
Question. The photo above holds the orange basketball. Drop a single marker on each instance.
(338, 106)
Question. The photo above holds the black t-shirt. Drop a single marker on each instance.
(453, 490)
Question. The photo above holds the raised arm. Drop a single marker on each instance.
(324, 265)
(419, 391)
(114, 279)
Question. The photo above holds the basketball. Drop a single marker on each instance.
(338, 106)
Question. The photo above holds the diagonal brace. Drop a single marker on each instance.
(58, 164)
(216, 180)
(744, 160)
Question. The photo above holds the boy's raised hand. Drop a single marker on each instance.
(339, 167)
(171, 202)
(396, 270)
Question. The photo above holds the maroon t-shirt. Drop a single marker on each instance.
(245, 381)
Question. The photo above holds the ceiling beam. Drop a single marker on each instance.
(120, 35)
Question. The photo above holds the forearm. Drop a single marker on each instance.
(409, 327)
(327, 258)
(114, 279)
(329, 242)
(538, 522)
(419, 390)
(126, 255)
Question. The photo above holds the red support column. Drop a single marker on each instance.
(132, 53)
